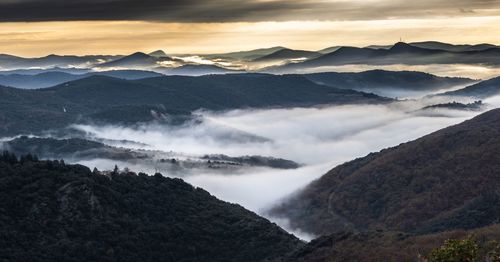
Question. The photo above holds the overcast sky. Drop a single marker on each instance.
(117, 26)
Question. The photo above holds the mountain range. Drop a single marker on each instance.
(285, 60)
(400, 53)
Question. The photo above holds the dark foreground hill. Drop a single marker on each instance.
(50, 211)
(394, 246)
(448, 179)
(27, 111)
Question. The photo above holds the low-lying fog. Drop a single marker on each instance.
(318, 138)
(452, 70)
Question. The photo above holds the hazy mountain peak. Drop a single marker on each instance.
(403, 47)
(158, 53)
(139, 55)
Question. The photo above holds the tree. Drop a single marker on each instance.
(454, 250)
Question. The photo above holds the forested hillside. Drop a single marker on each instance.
(50, 211)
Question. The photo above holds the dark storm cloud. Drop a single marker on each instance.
(239, 10)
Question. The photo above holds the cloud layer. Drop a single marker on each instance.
(319, 138)
(239, 10)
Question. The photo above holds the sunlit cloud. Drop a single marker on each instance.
(123, 37)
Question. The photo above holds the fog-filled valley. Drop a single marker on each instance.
(299, 138)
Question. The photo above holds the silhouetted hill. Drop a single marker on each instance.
(36, 71)
(196, 70)
(158, 53)
(400, 53)
(48, 79)
(246, 55)
(329, 49)
(57, 212)
(404, 48)
(26, 111)
(452, 48)
(135, 60)
(288, 54)
(480, 90)
(8, 62)
(37, 81)
(370, 81)
(448, 179)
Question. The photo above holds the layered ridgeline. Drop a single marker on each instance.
(31, 111)
(448, 179)
(57, 212)
(480, 90)
(378, 80)
(52, 78)
(368, 81)
(400, 53)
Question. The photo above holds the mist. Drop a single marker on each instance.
(317, 138)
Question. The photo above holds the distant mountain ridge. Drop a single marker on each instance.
(288, 54)
(15, 62)
(52, 78)
(26, 111)
(373, 80)
(400, 53)
(416, 53)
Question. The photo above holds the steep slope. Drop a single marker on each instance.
(480, 90)
(24, 111)
(448, 179)
(390, 246)
(57, 212)
(373, 80)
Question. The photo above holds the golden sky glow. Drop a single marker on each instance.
(123, 37)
